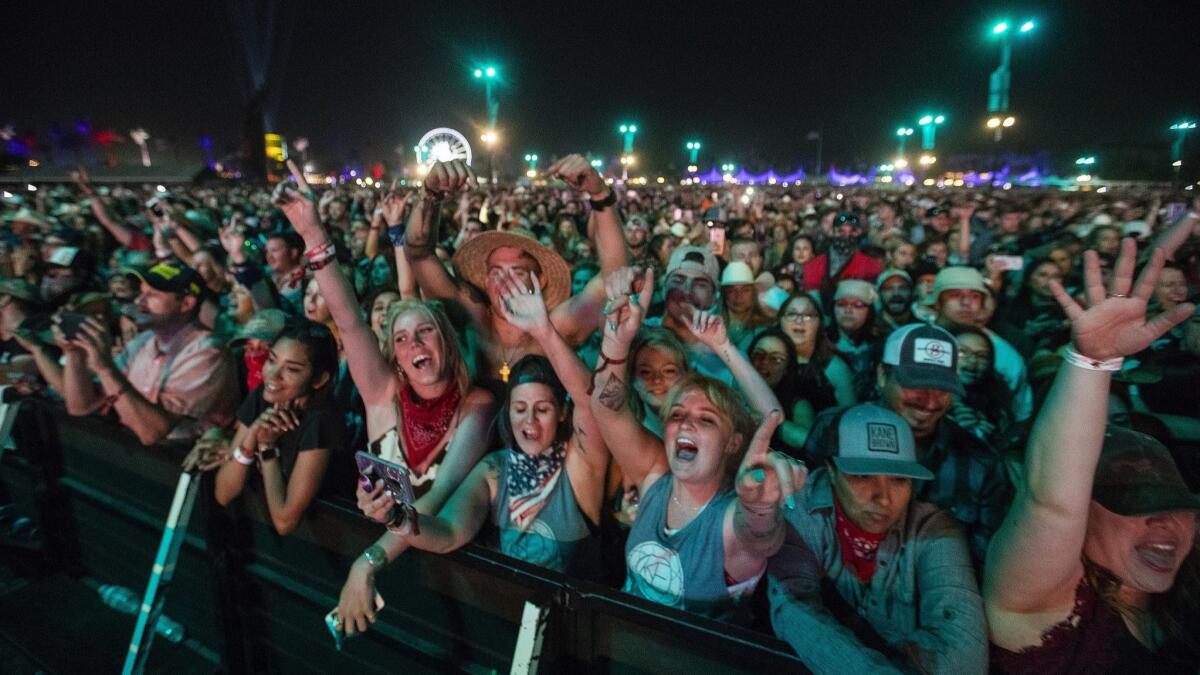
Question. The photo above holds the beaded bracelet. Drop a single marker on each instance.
(1080, 361)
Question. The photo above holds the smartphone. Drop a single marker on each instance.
(1174, 211)
(338, 630)
(1010, 262)
(394, 476)
(70, 322)
(716, 239)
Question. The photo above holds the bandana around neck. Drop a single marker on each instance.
(858, 546)
(424, 423)
(530, 479)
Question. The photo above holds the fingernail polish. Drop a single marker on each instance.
(791, 502)
(759, 475)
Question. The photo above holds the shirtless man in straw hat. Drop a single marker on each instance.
(486, 261)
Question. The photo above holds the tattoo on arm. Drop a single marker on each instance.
(614, 394)
(578, 437)
(418, 241)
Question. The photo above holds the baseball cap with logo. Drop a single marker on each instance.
(874, 441)
(1137, 476)
(923, 357)
(695, 258)
(171, 277)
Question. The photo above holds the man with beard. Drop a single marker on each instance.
(691, 283)
(843, 260)
(172, 382)
(917, 380)
(895, 299)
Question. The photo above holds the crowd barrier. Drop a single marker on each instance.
(256, 601)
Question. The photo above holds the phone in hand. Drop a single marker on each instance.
(70, 322)
(394, 476)
(716, 239)
(337, 628)
(1010, 262)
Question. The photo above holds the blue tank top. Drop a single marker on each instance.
(685, 569)
(560, 538)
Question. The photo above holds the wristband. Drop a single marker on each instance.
(319, 257)
(603, 203)
(241, 458)
(376, 557)
(1080, 361)
(396, 234)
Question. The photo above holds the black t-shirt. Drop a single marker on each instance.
(321, 426)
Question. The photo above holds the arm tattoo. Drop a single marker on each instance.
(418, 241)
(614, 394)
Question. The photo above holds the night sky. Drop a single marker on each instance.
(749, 81)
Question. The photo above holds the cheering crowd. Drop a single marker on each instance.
(934, 430)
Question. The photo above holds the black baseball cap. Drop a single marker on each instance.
(923, 357)
(171, 277)
(1137, 476)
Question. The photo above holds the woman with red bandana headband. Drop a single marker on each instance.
(256, 336)
(421, 410)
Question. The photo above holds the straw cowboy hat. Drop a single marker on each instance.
(471, 262)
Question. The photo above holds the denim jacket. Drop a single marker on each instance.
(921, 611)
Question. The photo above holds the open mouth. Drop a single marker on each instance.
(685, 449)
(422, 362)
(1158, 557)
(530, 435)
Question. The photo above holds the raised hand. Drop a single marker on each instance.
(1114, 324)
(579, 174)
(297, 204)
(624, 313)
(447, 177)
(709, 329)
(523, 306)
(393, 206)
(767, 477)
(273, 423)
(96, 342)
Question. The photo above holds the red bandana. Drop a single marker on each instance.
(424, 423)
(858, 546)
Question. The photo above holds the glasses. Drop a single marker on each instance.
(800, 316)
(772, 358)
(851, 303)
(973, 354)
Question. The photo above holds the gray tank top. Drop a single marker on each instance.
(684, 569)
(561, 538)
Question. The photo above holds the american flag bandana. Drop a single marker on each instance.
(530, 480)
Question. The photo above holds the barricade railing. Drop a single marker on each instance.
(259, 599)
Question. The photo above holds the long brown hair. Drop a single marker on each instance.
(1174, 616)
(823, 349)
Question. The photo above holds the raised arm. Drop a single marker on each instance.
(368, 367)
(754, 528)
(392, 213)
(587, 456)
(579, 316)
(422, 236)
(1050, 516)
(639, 452)
(1185, 228)
(709, 328)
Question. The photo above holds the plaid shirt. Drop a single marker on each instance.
(969, 479)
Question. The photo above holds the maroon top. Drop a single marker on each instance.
(1092, 639)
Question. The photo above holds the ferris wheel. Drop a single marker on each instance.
(442, 145)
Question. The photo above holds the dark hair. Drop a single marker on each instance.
(290, 239)
(787, 389)
(823, 350)
(318, 342)
(991, 394)
(534, 369)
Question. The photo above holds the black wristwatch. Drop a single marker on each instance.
(603, 203)
(267, 454)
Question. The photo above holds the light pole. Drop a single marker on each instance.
(1177, 147)
(998, 123)
(1001, 78)
(489, 75)
(628, 131)
(929, 125)
(693, 148)
(489, 139)
(903, 133)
